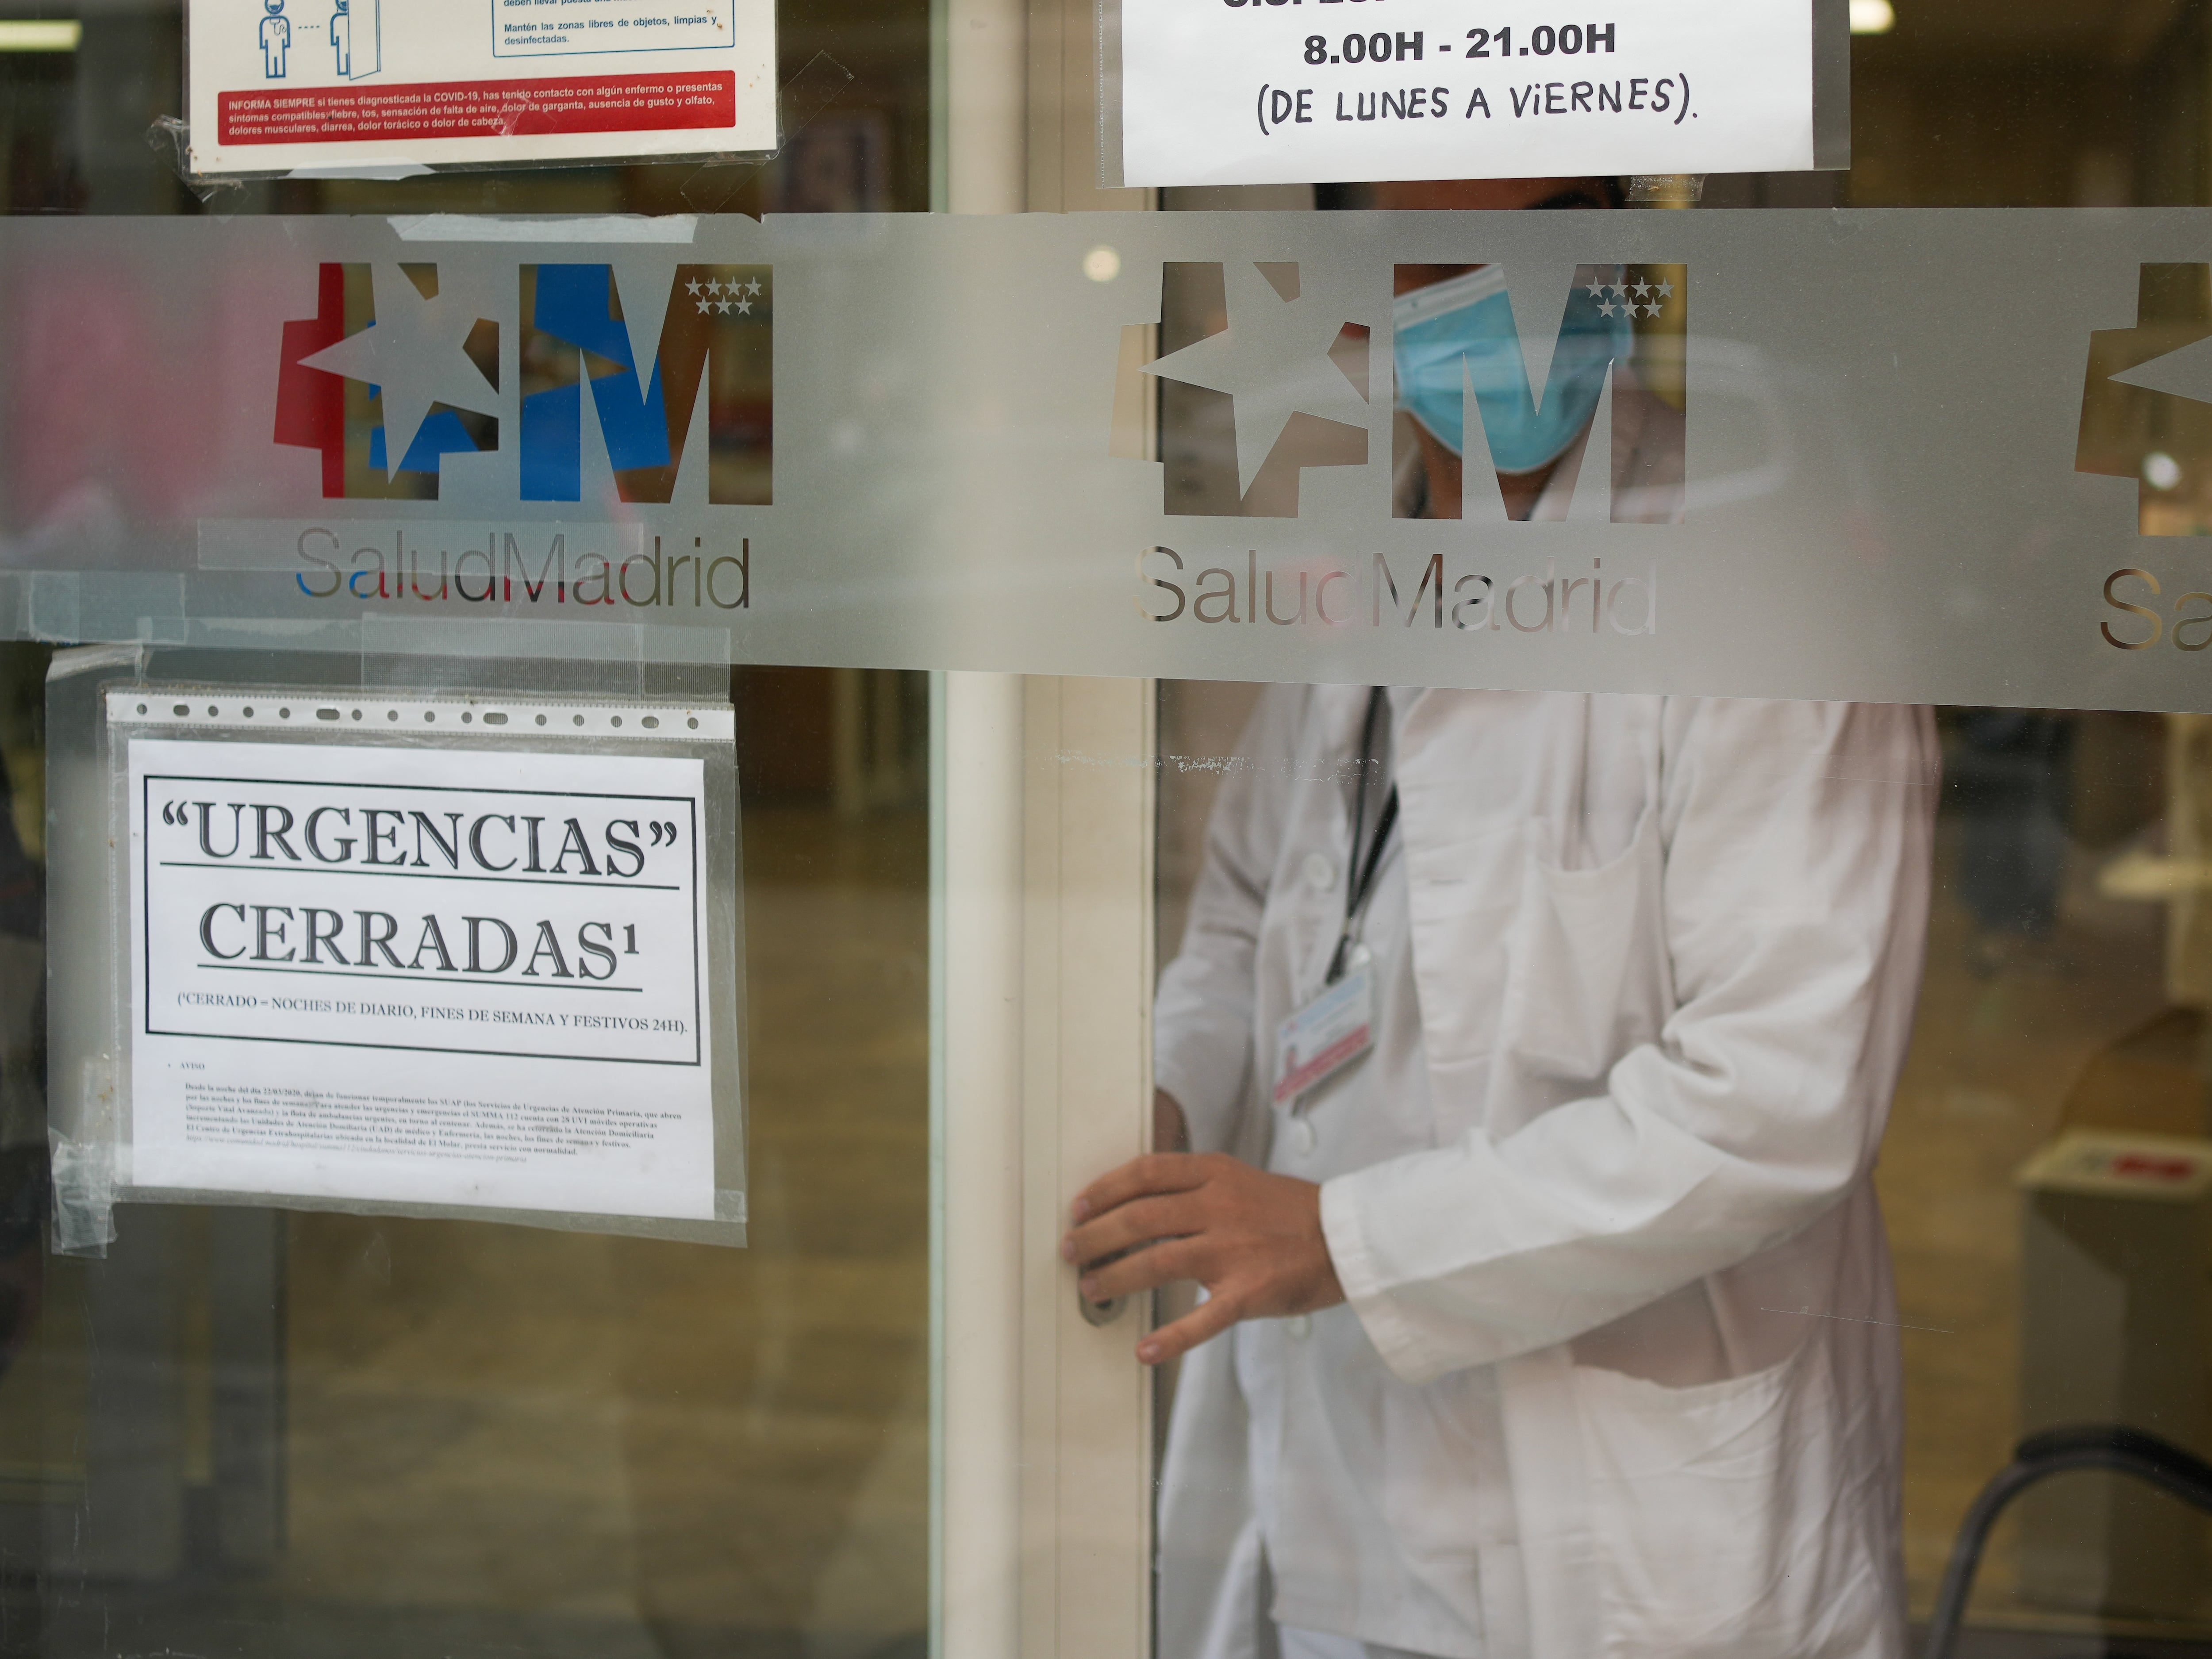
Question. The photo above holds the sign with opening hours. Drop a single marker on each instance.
(1238, 92)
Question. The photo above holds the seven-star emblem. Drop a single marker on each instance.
(717, 296)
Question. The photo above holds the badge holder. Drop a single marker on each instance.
(1327, 1035)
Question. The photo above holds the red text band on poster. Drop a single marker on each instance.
(478, 109)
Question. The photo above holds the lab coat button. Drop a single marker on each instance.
(1320, 874)
(1298, 1325)
(1302, 1136)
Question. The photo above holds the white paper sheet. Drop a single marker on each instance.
(1240, 92)
(323, 84)
(420, 975)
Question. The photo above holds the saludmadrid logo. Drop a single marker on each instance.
(396, 375)
(526, 566)
(1259, 379)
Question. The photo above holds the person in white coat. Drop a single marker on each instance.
(1557, 1320)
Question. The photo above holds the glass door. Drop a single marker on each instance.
(1457, 918)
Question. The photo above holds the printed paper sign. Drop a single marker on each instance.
(421, 976)
(323, 84)
(1251, 91)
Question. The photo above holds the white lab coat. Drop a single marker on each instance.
(1666, 953)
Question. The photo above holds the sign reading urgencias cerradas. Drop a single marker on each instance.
(421, 976)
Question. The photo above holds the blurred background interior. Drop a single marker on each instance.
(313, 1435)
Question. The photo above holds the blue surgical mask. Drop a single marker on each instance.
(1470, 318)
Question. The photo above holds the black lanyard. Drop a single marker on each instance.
(1359, 875)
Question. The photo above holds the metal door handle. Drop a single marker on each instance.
(1099, 1313)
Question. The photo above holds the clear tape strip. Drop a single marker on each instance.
(309, 709)
(84, 1172)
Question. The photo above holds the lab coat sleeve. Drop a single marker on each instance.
(1795, 872)
(1202, 1017)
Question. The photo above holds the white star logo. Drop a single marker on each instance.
(1597, 291)
(413, 352)
(1666, 290)
(744, 308)
(753, 288)
(694, 287)
(2184, 372)
(1274, 360)
(705, 306)
(1605, 308)
(1641, 288)
(722, 305)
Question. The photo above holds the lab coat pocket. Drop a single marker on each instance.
(1720, 1521)
(1587, 962)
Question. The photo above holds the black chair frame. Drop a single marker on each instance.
(2057, 1451)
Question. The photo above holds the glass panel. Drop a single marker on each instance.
(2042, 1178)
(252, 1432)
(1788, 1280)
(246, 1431)
(2044, 1158)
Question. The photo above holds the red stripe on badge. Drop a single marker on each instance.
(1297, 1082)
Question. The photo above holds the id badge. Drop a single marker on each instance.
(1328, 1034)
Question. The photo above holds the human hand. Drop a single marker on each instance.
(1252, 1239)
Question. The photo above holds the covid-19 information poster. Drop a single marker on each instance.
(421, 976)
(1246, 92)
(368, 85)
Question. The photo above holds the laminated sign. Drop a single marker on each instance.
(1237, 92)
(361, 85)
(480, 977)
